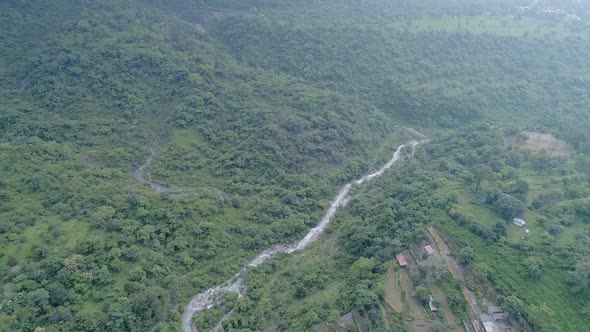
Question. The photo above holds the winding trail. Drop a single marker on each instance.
(143, 176)
(140, 174)
(236, 284)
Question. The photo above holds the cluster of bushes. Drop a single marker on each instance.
(494, 234)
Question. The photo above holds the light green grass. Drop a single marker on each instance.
(77, 231)
(183, 151)
(468, 200)
(508, 265)
(482, 214)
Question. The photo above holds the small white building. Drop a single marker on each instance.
(518, 222)
(431, 305)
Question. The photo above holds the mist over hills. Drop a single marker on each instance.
(252, 115)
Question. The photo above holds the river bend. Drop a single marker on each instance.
(236, 284)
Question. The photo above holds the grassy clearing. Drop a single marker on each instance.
(21, 246)
(77, 232)
(443, 306)
(471, 205)
(413, 308)
(508, 258)
(481, 213)
(509, 271)
(393, 294)
(539, 183)
(536, 181)
(184, 161)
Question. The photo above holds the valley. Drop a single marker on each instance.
(190, 165)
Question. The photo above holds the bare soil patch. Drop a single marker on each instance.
(548, 142)
(539, 141)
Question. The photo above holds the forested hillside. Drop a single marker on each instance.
(88, 90)
(431, 69)
(248, 116)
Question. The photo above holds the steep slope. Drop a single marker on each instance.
(437, 69)
(87, 90)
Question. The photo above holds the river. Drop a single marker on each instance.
(236, 284)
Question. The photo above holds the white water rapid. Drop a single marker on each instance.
(209, 297)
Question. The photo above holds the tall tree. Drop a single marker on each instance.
(509, 206)
(482, 173)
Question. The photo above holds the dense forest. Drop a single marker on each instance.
(149, 149)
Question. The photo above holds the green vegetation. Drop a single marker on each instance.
(530, 265)
(526, 274)
(255, 113)
(432, 77)
(111, 82)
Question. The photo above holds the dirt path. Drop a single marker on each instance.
(445, 251)
(472, 302)
(456, 270)
(142, 175)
